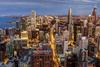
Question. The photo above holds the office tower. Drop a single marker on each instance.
(41, 33)
(78, 41)
(42, 57)
(34, 37)
(28, 20)
(71, 60)
(41, 20)
(70, 25)
(2, 32)
(77, 28)
(97, 30)
(2, 50)
(7, 31)
(59, 44)
(65, 46)
(56, 25)
(46, 20)
(10, 31)
(83, 58)
(22, 24)
(9, 49)
(92, 23)
(24, 35)
(84, 43)
(59, 48)
(75, 32)
(85, 27)
(90, 26)
(59, 30)
(98, 43)
(18, 25)
(66, 35)
(38, 20)
(94, 20)
(33, 20)
(94, 15)
(92, 49)
(21, 42)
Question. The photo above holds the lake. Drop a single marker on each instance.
(4, 22)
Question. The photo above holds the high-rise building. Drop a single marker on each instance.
(71, 60)
(2, 32)
(17, 25)
(83, 58)
(70, 25)
(90, 26)
(65, 46)
(78, 41)
(24, 35)
(33, 20)
(21, 42)
(10, 31)
(98, 43)
(84, 43)
(42, 57)
(92, 23)
(77, 28)
(22, 24)
(94, 20)
(59, 44)
(56, 25)
(97, 30)
(92, 49)
(9, 49)
(66, 35)
(94, 15)
(84, 30)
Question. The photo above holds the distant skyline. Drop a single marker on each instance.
(47, 7)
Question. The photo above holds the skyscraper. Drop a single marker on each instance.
(65, 46)
(22, 24)
(92, 23)
(94, 20)
(70, 24)
(94, 15)
(90, 26)
(33, 20)
(84, 43)
(98, 43)
(57, 21)
(84, 30)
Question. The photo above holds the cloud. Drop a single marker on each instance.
(33, 2)
(87, 1)
(23, 7)
(17, 3)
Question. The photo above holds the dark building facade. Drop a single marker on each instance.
(42, 58)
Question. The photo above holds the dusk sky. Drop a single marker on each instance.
(48, 7)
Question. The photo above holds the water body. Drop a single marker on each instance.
(5, 22)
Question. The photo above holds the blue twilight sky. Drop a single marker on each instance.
(48, 7)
